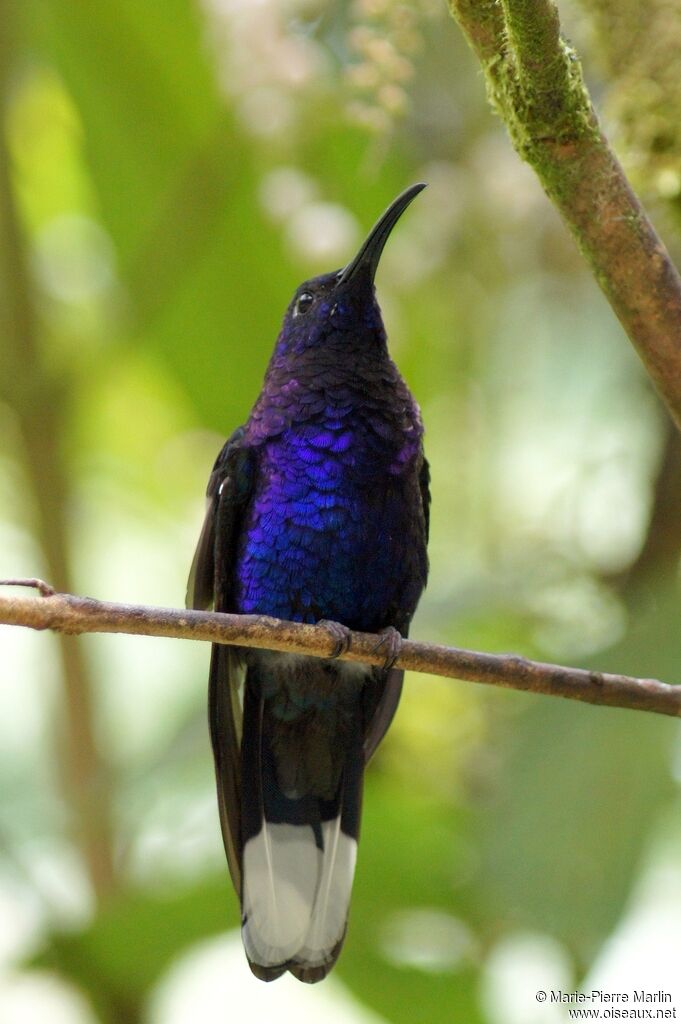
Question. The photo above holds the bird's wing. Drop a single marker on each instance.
(424, 487)
(384, 712)
(224, 486)
(211, 582)
(380, 716)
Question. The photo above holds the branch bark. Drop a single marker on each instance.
(68, 614)
(534, 80)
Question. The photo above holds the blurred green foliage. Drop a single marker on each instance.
(171, 172)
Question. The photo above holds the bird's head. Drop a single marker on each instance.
(342, 305)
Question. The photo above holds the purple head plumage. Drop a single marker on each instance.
(343, 301)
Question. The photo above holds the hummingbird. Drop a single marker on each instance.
(317, 512)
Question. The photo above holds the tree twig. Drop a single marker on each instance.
(534, 80)
(68, 614)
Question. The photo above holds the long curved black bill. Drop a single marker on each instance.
(366, 260)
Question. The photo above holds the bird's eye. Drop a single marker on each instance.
(304, 302)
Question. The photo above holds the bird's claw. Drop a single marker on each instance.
(393, 638)
(339, 633)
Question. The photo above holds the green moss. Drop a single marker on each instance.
(534, 81)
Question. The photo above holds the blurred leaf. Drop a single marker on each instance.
(123, 953)
(577, 791)
(411, 856)
(145, 93)
(527, 392)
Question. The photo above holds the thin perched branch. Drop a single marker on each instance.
(534, 80)
(68, 614)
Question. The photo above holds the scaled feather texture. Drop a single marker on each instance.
(317, 509)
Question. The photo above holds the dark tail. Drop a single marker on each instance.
(300, 809)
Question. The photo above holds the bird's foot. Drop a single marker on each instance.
(341, 635)
(393, 639)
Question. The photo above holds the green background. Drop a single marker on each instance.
(169, 173)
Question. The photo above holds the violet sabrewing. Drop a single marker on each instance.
(317, 511)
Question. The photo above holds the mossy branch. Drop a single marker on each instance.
(68, 614)
(534, 80)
